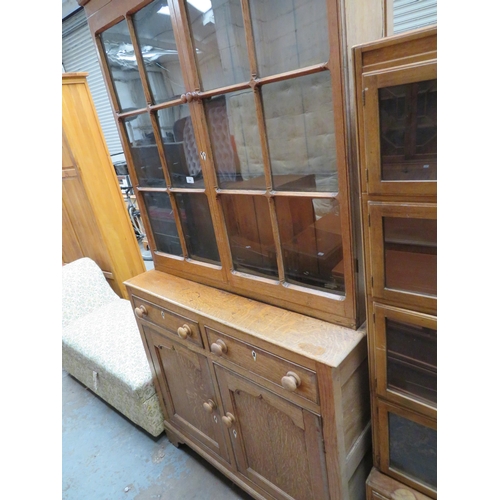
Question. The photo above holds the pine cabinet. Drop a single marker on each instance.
(396, 88)
(95, 222)
(277, 401)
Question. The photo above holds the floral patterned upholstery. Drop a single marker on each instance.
(102, 346)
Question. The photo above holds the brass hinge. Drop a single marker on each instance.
(366, 175)
(373, 313)
(369, 221)
(363, 96)
(372, 281)
(356, 266)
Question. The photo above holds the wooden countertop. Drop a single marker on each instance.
(318, 340)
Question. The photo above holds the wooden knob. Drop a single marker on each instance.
(209, 406)
(184, 331)
(141, 311)
(290, 381)
(183, 98)
(189, 96)
(219, 347)
(228, 419)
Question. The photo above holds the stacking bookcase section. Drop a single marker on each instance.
(396, 105)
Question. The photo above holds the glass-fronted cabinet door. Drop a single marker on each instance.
(400, 117)
(406, 358)
(403, 242)
(408, 447)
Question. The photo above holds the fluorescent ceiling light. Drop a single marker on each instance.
(201, 5)
(164, 10)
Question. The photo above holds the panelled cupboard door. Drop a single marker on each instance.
(403, 239)
(187, 390)
(406, 358)
(400, 120)
(278, 445)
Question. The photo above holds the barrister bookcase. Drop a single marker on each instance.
(396, 99)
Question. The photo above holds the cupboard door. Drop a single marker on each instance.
(187, 390)
(408, 447)
(400, 118)
(278, 445)
(403, 242)
(406, 358)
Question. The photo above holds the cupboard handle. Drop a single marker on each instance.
(184, 331)
(228, 419)
(209, 406)
(219, 347)
(141, 311)
(291, 381)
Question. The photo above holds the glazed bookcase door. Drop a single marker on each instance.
(400, 118)
(278, 445)
(403, 241)
(406, 358)
(188, 394)
(408, 447)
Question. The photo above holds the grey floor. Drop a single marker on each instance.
(107, 457)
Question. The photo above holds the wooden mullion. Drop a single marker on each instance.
(185, 48)
(310, 70)
(178, 224)
(135, 112)
(140, 62)
(247, 23)
(159, 146)
(277, 240)
(307, 194)
(107, 76)
(225, 90)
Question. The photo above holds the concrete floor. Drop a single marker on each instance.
(107, 457)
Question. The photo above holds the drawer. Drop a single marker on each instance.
(180, 326)
(292, 377)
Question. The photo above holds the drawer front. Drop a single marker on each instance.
(183, 328)
(290, 376)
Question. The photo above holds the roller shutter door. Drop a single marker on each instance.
(413, 14)
(79, 55)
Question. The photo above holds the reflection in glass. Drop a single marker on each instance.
(250, 234)
(144, 151)
(122, 65)
(412, 360)
(180, 147)
(410, 250)
(289, 35)
(234, 134)
(301, 134)
(310, 234)
(197, 227)
(408, 131)
(155, 35)
(162, 220)
(219, 39)
(413, 449)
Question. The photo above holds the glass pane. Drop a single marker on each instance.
(162, 220)
(250, 234)
(153, 27)
(301, 134)
(408, 131)
(180, 147)
(219, 39)
(122, 65)
(413, 449)
(197, 226)
(234, 133)
(410, 247)
(289, 35)
(311, 240)
(144, 151)
(412, 360)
